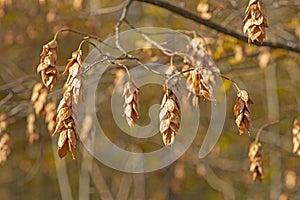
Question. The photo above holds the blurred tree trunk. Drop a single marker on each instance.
(273, 114)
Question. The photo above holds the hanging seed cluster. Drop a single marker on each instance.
(3, 122)
(197, 56)
(296, 136)
(242, 111)
(5, 148)
(202, 79)
(39, 98)
(169, 115)
(197, 87)
(31, 130)
(203, 9)
(50, 110)
(255, 161)
(65, 118)
(47, 66)
(131, 103)
(74, 81)
(5, 141)
(255, 22)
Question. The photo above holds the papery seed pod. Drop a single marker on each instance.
(290, 179)
(169, 115)
(5, 148)
(198, 57)
(31, 130)
(197, 87)
(65, 127)
(255, 22)
(50, 110)
(131, 103)
(65, 119)
(3, 122)
(39, 98)
(74, 78)
(255, 161)
(296, 136)
(242, 111)
(264, 57)
(203, 9)
(47, 65)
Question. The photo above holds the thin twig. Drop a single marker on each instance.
(86, 36)
(117, 28)
(146, 37)
(186, 14)
(6, 99)
(112, 9)
(229, 79)
(263, 127)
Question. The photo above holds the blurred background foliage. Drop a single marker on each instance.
(33, 171)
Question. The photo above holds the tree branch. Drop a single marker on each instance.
(212, 25)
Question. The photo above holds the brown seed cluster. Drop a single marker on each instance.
(50, 110)
(255, 161)
(131, 103)
(197, 87)
(31, 130)
(197, 57)
(255, 22)
(74, 81)
(39, 98)
(5, 142)
(47, 66)
(65, 118)
(203, 9)
(5, 147)
(242, 111)
(3, 122)
(296, 136)
(169, 115)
